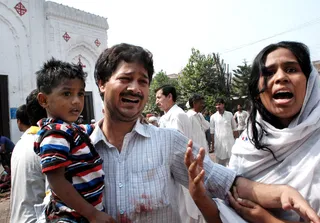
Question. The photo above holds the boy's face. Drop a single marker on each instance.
(65, 102)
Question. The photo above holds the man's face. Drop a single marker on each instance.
(220, 107)
(239, 108)
(126, 92)
(163, 102)
(198, 105)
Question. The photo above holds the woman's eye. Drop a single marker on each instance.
(291, 70)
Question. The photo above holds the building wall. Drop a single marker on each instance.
(28, 40)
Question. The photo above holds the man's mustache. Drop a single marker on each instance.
(130, 93)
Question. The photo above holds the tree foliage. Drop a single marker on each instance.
(240, 80)
(206, 75)
(158, 80)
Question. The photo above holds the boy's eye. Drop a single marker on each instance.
(81, 93)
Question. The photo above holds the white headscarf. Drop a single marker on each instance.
(297, 149)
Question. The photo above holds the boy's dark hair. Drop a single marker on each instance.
(220, 101)
(34, 110)
(110, 58)
(168, 89)
(195, 98)
(54, 72)
(22, 115)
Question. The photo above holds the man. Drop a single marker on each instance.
(174, 117)
(28, 185)
(22, 118)
(198, 124)
(223, 131)
(241, 118)
(145, 165)
(6, 148)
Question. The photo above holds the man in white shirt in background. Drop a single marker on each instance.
(223, 129)
(241, 118)
(174, 117)
(28, 184)
(198, 124)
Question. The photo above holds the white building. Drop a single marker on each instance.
(32, 31)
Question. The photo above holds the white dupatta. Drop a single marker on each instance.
(297, 149)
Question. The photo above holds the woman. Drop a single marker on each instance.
(282, 142)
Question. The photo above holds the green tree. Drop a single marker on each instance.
(240, 80)
(206, 75)
(158, 80)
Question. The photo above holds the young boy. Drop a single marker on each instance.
(69, 160)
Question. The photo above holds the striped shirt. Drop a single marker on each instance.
(63, 145)
(142, 180)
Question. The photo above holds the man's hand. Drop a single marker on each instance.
(196, 172)
(197, 190)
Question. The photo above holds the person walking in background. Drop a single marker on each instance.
(28, 184)
(22, 118)
(241, 117)
(223, 129)
(199, 125)
(174, 117)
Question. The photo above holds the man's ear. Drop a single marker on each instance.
(101, 86)
(42, 99)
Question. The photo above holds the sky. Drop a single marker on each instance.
(236, 29)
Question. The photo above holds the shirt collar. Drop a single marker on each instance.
(97, 134)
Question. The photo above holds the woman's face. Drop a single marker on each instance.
(286, 85)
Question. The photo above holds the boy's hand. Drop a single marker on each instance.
(196, 172)
(101, 217)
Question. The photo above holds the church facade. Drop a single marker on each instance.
(33, 31)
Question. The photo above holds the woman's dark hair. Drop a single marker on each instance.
(301, 52)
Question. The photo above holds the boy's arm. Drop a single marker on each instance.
(71, 197)
(197, 190)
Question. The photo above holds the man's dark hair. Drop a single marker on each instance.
(168, 89)
(195, 98)
(22, 115)
(220, 101)
(34, 110)
(110, 58)
(54, 72)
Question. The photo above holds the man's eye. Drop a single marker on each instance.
(66, 93)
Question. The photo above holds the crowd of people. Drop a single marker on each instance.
(122, 169)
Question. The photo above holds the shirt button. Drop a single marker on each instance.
(120, 185)
(121, 211)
